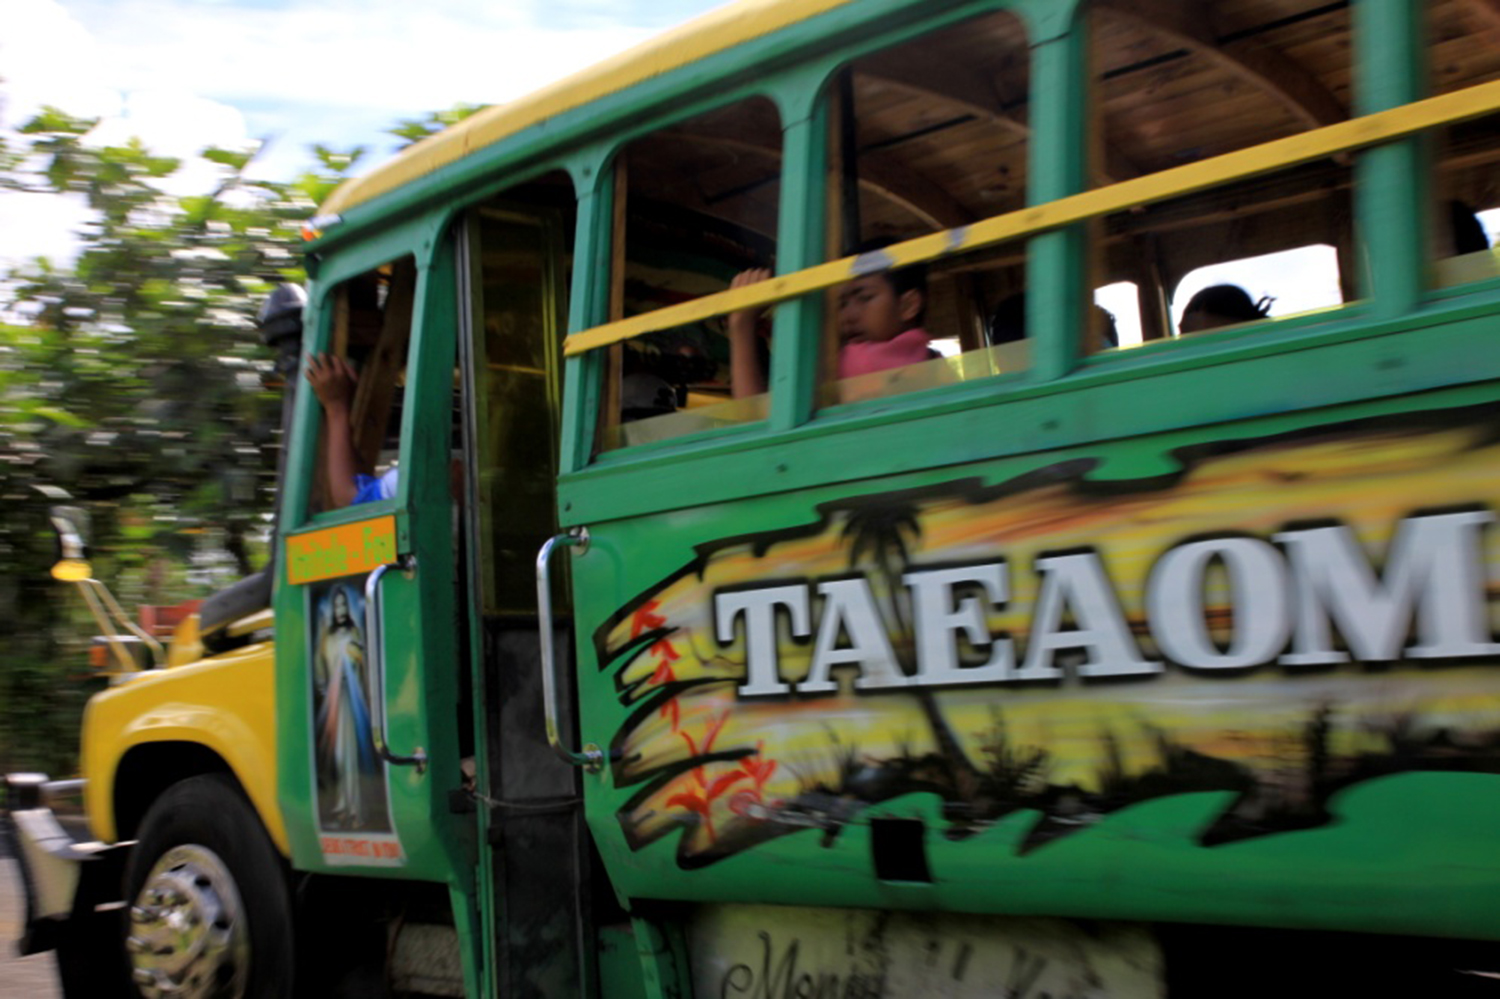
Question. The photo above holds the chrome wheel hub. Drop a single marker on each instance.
(188, 938)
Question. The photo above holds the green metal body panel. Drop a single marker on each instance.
(1397, 854)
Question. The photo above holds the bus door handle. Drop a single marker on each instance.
(592, 757)
(375, 655)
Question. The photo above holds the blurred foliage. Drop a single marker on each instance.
(413, 130)
(135, 381)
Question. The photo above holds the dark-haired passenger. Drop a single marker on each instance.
(880, 319)
(1466, 232)
(1221, 305)
(879, 325)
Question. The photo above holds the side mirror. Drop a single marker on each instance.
(72, 564)
(280, 325)
(133, 648)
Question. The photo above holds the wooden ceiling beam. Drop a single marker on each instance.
(976, 94)
(913, 192)
(1484, 17)
(881, 176)
(1251, 59)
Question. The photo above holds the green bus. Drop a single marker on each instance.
(863, 496)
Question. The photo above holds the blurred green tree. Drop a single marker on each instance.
(134, 381)
(414, 130)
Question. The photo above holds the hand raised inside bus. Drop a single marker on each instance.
(746, 375)
(333, 381)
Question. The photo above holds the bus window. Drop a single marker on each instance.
(1179, 84)
(1489, 223)
(701, 203)
(519, 283)
(1121, 302)
(1275, 285)
(927, 135)
(359, 379)
(1464, 51)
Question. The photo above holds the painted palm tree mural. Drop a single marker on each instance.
(877, 537)
(731, 732)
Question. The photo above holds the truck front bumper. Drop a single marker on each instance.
(55, 861)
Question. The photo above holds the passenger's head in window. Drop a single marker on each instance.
(1008, 322)
(880, 318)
(1221, 305)
(1106, 334)
(1466, 231)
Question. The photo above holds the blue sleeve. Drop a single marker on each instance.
(366, 489)
(369, 488)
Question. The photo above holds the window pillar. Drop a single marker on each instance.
(1391, 180)
(1056, 261)
(592, 279)
(797, 325)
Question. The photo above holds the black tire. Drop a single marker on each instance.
(203, 857)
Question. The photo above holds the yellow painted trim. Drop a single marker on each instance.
(697, 39)
(1357, 133)
(226, 704)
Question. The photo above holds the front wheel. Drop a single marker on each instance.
(210, 914)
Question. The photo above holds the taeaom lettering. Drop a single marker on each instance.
(1292, 597)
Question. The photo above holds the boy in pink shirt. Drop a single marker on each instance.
(879, 326)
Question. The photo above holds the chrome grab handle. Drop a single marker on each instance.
(592, 757)
(375, 656)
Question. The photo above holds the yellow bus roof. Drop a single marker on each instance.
(699, 38)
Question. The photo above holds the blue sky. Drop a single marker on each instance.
(183, 74)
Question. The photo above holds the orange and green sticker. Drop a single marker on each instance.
(344, 550)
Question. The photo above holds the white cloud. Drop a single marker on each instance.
(388, 55)
(180, 125)
(48, 57)
(185, 74)
(39, 225)
(172, 123)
